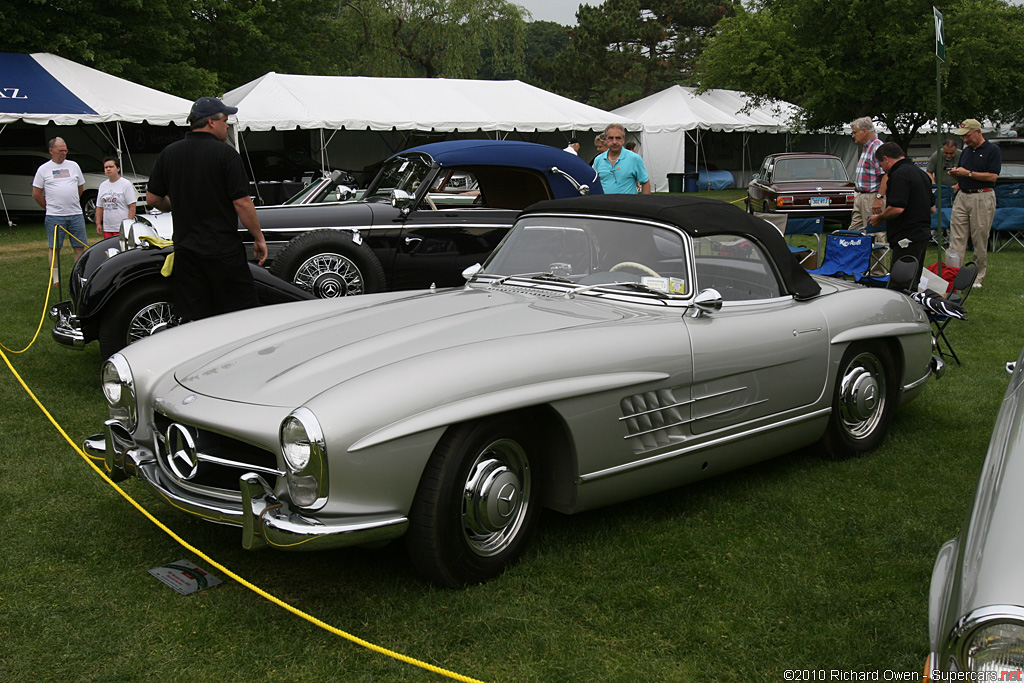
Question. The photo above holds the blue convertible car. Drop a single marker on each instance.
(430, 212)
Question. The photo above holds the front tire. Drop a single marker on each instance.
(329, 264)
(477, 505)
(135, 315)
(863, 401)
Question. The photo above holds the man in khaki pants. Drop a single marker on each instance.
(975, 203)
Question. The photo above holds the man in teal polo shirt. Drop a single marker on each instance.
(621, 171)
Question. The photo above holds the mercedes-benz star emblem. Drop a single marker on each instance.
(181, 452)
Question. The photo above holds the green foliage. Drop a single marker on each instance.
(433, 38)
(627, 49)
(842, 60)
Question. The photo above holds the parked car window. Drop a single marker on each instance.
(813, 168)
(736, 267)
(580, 247)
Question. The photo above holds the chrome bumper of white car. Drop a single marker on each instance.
(266, 520)
(67, 329)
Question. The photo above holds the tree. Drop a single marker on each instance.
(627, 49)
(147, 42)
(842, 60)
(432, 38)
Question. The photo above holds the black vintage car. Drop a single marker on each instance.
(409, 230)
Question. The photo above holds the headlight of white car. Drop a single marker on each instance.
(996, 648)
(119, 390)
(305, 453)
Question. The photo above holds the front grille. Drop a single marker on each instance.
(222, 459)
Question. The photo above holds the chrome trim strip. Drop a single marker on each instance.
(694, 419)
(681, 403)
(655, 459)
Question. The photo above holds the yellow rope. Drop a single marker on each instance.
(46, 304)
(224, 570)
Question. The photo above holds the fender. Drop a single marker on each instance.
(116, 273)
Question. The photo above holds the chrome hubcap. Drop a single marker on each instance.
(328, 276)
(496, 497)
(154, 318)
(862, 396)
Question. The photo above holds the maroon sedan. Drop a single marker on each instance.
(798, 182)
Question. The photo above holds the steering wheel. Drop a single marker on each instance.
(635, 266)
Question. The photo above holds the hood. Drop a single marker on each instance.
(291, 364)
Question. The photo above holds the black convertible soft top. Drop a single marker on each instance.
(698, 216)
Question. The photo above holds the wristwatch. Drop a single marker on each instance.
(970, 174)
(879, 195)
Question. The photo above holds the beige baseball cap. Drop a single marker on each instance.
(968, 125)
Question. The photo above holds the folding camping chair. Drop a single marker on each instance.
(962, 284)
(901, 275)
(790, 225)
(847, 253)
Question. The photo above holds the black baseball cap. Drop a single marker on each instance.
(208, 106)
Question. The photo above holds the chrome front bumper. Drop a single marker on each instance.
(266, 520)
(67, 328)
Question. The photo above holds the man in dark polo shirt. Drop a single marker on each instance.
(202, 181)
(908, 206)
(974, 207)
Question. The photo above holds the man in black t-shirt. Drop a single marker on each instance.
(204, 181)
(908, 206)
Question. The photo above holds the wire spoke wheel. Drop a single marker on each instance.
(329, 276)
(152, 319)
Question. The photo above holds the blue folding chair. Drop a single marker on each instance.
(805, 225)
(846, 253)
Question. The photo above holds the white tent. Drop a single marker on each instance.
(42, 88)
(426, 104)
(380, 116)
(667, 117)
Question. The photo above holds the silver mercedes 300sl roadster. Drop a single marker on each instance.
(609, 348)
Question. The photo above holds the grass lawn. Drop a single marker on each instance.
(797, 563)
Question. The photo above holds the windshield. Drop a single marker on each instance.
(810, 168)
(594, 251)
(405, 173)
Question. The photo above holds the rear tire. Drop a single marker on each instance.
(477, 505)
(329, 264)
(136, 314)
(88, 202)
(863, 401)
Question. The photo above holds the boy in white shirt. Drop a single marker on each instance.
(115, 201)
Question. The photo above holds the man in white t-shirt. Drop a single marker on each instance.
(115, 201)
(57, 187)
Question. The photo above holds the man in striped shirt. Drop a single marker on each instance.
(869, 177)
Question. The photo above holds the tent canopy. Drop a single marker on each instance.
(666, 117)
(285, 102)
(680, 108)
(42, 88)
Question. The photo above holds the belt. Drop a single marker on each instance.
(860, 191)
(983, 189)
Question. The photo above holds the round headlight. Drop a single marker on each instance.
(996, 648)
(111, 383)
(301, 439)
(119, 390)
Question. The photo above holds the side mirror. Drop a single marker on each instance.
(469, 272)
(344, 192)
(706, 301)
(400, 198)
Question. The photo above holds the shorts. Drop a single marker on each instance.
(205, 286)
(72, 224)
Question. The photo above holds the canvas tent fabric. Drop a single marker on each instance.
(667, 117)
(286, 102)
(42, 88)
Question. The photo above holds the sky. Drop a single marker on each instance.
(559, 11)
